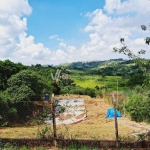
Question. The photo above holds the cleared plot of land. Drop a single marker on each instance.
(95, 126)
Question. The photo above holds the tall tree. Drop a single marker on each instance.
(27, 85)
(8, 68)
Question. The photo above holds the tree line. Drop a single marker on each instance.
(21, 85)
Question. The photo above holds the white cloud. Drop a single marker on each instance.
(69, 49)
(106, 26)
(55, 37)
(62, 44)
(28, 52)
(127, 6)
(106, 29)
(31, 53)
(11, 24)
(111, 5)
(15, 7)
(60, 55)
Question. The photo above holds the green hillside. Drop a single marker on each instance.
(114, 67)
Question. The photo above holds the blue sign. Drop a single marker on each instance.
(46, 97)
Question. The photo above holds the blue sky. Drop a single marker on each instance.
(60, 31)
(65, 18)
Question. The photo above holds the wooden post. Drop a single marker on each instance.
(124, 109)
(117, 91)
(116, 123)
(53, 118)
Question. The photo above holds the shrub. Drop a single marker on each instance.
(138, 107)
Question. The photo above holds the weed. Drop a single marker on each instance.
(78, 147)
(43, 132)
(13, 146)
(24, 148)
(141, 136)
(40, 148)
(1, 144)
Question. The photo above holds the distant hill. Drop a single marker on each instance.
(112, 67)
(83, 65)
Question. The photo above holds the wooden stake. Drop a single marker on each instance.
(124, 109)
(116, 123)
(117, 91)
(53, 118)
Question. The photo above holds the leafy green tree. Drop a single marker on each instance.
(138, 107)
(90, 92)
(7, 69)
(137, 79)
(76, 90)
(7, 112)
(27, 86)
(3, 109)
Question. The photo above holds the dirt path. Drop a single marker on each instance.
(142, 127)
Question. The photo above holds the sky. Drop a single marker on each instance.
(63, 31)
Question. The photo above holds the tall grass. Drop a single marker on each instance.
(109, 82)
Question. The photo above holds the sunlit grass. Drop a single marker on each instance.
(95, 126)
(92, 81)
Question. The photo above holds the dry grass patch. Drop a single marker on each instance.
(95, 126)
(19, 132)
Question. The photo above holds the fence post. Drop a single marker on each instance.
(53, 118)
(116, 123)
(124, 108)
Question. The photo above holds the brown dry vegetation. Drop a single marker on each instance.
(95, 126)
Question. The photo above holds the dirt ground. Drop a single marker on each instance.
(95, 126)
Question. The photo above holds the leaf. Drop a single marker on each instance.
(122, 40)
(142, 51)
(147, 40)
(115, 49)
(143, 27)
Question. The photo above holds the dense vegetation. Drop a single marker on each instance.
(138, 102)
(133, 82)
(115, 67)
(20, 83)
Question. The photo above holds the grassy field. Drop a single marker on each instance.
(95, 126)
(91, 81)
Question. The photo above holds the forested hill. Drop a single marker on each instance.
(112, 67)
(83, 65)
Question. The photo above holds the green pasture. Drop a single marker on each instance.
(110, 82)
(73, 71)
